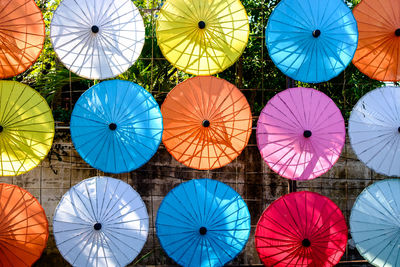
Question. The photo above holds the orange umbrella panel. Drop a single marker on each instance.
(22, 34)
(378, 51)
(207, 122)
(23, 227)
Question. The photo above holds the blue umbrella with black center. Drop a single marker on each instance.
(116, 126)
(312, 40)
(203, 223)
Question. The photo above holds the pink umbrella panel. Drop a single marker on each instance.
(301, 133)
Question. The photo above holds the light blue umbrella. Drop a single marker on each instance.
(312, 40)
(375, 223)
(203, 223)
(116, 126)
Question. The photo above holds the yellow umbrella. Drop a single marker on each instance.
(26, 128)
(202, 37)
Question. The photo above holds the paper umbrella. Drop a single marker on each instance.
(203, 223)
(97, 39)
(100, 222)
(23, 226)
(22, 35)
(301, 229)
(207, 122)
(116, 126)
(378, 50)
(26, 128)
(374, 130)
(374, 223)
(202, 37)
(311, 41)
(300, 133)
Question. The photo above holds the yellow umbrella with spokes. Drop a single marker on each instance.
(26, 128)
(202, 37)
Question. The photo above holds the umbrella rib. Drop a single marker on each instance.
(388, 22)
(111, 19)
(5, 114)
(300, 25)
(91, 216)
(187, 246)
(107, 212)
(217, 219)
(107, 209)
(81, 16)
(125, 102)
(384, 46)
(105, 11)
(120, 207)
(15, 8)
(226, 142)
(11, 252)
(394, 218)
(87, 237)
(112, 242)
(198, 133)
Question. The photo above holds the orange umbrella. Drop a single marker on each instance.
(22, 36)
(23, 227)
(378, 51)
(207, 122)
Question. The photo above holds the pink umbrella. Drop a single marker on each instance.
(300, 133)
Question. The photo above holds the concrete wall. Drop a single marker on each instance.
(248, 175)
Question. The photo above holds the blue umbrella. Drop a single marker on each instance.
(116, 126)
(375, 223)
(312, 40)
(203, 223)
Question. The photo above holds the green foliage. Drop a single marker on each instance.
(254, 72)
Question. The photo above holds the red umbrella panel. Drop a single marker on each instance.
(301, 229)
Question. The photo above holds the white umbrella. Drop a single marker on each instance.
(374, 130)
(97, 39)
(100, 222)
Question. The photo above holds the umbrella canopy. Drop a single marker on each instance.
(116, 126)
(202, 37)
(22, 36)
(312, 40)
(207, 122)
(26, 128)
(374, 223)
(97, 39)
(23, 227)
(301, 229)
(374, 130)
(300, 133)
(378, 52)
(203, 223)
(100, 222)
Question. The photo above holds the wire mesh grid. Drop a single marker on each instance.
(248, 174)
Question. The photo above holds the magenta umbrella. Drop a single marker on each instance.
(300, 133)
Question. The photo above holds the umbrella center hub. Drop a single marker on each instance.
(97, 226)
(397, 32)
(206, 123)
(316, 33)
(306, 243)
(95, 29)
(307, 134)
(202, 24)
(1, 128)
(203, 230)
(112, 126)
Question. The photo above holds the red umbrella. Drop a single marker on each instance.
(301, 229)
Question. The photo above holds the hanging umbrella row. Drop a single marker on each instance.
(308, 40)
